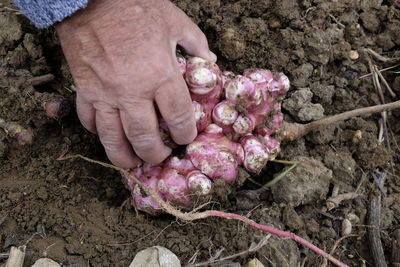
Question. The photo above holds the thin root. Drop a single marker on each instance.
(253, 248)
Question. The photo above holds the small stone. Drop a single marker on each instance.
(357, 137)
(346, 227)
(353, 218)
(45, 262)
(155, 257)
(254, 263)
(353, 55)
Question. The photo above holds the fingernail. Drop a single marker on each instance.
(213, 57)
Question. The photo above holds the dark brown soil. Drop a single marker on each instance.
(79, 211)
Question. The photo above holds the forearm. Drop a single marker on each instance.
(44, 13)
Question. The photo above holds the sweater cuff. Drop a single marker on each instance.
(44, 13)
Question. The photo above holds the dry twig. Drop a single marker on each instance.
(380, 57)
(374, 232)
(325, 263)
(382, 70)
(38, 80)
(251, 249)
(334, 202)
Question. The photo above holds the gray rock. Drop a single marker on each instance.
(155, 257)
(45, 262)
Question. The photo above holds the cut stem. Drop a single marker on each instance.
(38, 80)
(293, 131)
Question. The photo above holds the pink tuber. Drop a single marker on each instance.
(235, 115)
(255, 154)
(202, 113)
(55, 106)
(202, 77)
(24, 136)
(224, 115)
(243, 92)
(215, 155)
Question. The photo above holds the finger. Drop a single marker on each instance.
(86, 114)
(195, 43)
(140, 124)
(113, 138)
(174, 102)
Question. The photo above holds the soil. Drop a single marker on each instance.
(78, 213)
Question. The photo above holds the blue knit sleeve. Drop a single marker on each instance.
(44, 13)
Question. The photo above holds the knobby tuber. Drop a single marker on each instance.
(236, 115)
(239, 123)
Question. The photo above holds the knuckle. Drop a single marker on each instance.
(142, 141)
(111, 143)
(180, 119)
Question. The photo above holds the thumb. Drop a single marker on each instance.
(194, 42)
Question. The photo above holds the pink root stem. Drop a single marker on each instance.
(276, 232)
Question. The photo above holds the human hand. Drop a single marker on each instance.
(122, 57)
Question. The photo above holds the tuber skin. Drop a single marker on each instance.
(224, 115)
(255, 154)
(198, 183)
(24, 136)
(215, 155)
(243, 92)
(202, 113)
(181, 63)
(202, 77)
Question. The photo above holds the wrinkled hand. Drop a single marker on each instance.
(122, 56)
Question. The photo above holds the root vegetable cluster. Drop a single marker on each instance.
(237, 117)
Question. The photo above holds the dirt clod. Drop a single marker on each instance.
(303, 186)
